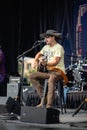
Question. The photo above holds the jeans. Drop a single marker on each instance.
(53, 77)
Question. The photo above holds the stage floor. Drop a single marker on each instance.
(67, 122)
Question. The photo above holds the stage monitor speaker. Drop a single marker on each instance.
(39, 115)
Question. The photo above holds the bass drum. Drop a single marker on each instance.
(70, 76)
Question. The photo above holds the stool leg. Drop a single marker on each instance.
(61, 96)
(45, 91)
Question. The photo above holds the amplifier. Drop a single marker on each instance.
(12, 89)
(39, 115)
(13, 79)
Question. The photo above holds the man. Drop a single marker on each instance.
(54, 54)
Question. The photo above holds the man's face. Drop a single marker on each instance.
(49, 39)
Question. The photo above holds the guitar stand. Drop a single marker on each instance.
(77, 110)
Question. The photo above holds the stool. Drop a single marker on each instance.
(60, 89)
(59, 86)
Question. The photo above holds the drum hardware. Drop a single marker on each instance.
(82, 85)
(69, 74)
(85, 61)
(74, 56)
(77, 73)
(79, 78)
(76, 78)
(70, 67)
(84, 66)
(73, 61)
(82, 70)
(79, 64)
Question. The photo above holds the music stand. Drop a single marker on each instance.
(80, 106)
(22, 73)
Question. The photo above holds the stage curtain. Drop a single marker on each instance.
(22, 22)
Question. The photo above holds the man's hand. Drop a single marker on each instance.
(42, 61)
(34, 64)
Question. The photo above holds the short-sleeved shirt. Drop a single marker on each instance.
(55, 51)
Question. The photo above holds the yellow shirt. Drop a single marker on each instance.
(55, 51)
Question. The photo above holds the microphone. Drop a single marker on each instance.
(41, 41)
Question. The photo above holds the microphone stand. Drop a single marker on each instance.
(20, 93)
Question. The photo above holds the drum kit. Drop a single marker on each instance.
(76, 73)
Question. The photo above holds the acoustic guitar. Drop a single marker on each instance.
(42, 68)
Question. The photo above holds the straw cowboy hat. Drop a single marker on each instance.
(51, 33)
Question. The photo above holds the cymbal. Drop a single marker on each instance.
(74, 56)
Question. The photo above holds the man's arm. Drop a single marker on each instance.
(36, 59)
(38, 55)
(54, 62)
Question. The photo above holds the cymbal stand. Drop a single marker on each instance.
(79, 64)
(79, 67)
(71, 60)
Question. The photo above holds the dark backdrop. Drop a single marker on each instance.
(22, 21)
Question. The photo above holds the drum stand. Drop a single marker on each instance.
(80, 106)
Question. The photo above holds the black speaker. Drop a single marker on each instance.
(3, 109)
(39, 115)
(13, 105)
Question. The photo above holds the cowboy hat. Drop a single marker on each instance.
(51, 33)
